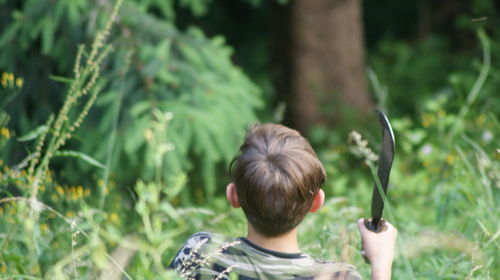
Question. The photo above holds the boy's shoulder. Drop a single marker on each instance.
(200, 251)
(208, 255)
(202, 243)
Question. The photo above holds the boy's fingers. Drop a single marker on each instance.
(363, 229)
(361, 223)
(362, 226)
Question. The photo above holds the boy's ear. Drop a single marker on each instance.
(232, 195)
(318, 201)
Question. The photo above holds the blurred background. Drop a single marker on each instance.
(123, 134)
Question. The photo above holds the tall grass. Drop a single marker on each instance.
(35, 175)
(443, 197)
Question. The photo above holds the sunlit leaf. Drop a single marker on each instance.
(33, 134)
(79, 155)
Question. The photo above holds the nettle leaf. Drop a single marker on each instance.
(79, 155)
(9, 33)
(33, 134)
(60, 79)
(176, 185)
(48, 35)
(135, 135)
(140, 108)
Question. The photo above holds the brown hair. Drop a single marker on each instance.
(277, 174)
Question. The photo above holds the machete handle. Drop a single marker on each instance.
(376, 227)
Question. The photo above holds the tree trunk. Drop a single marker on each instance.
(327, 74)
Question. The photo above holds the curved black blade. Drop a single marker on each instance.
(384, 170)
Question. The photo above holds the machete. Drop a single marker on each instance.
(376, 223)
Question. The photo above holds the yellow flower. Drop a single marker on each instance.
(3, 269)
(44, 228)
(70, 214)
(441, 113)
(19, 82)
(113, 217)
(428, 119)
(53, 197)
(59, 190)
(70, 193)
(5, 77)
(79, 190)
(5, 132)
(87, 192)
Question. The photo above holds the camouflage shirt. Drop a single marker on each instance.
(212, 256)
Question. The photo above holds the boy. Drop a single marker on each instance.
(277, 180)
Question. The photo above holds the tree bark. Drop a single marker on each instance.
(327, 72)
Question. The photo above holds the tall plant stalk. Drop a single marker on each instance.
(85, 83)
(476, 88)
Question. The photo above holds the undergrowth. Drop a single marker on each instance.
(443, 194)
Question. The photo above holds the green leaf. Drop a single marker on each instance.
(168, 209)
(98, 256)
(177, 184)
(81, 156)
(10, 33)
(48, 35)
(33, 134)
(60, 79)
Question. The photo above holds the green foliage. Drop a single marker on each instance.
(444, 190)
(210, 101)
(154, 67)
(399, 64)
(160, 85)
(9, 88)
(116, 200)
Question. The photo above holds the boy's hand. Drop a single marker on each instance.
(379, 249)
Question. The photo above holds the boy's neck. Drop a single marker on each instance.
(285, 243)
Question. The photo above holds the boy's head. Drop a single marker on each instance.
(277, 176)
